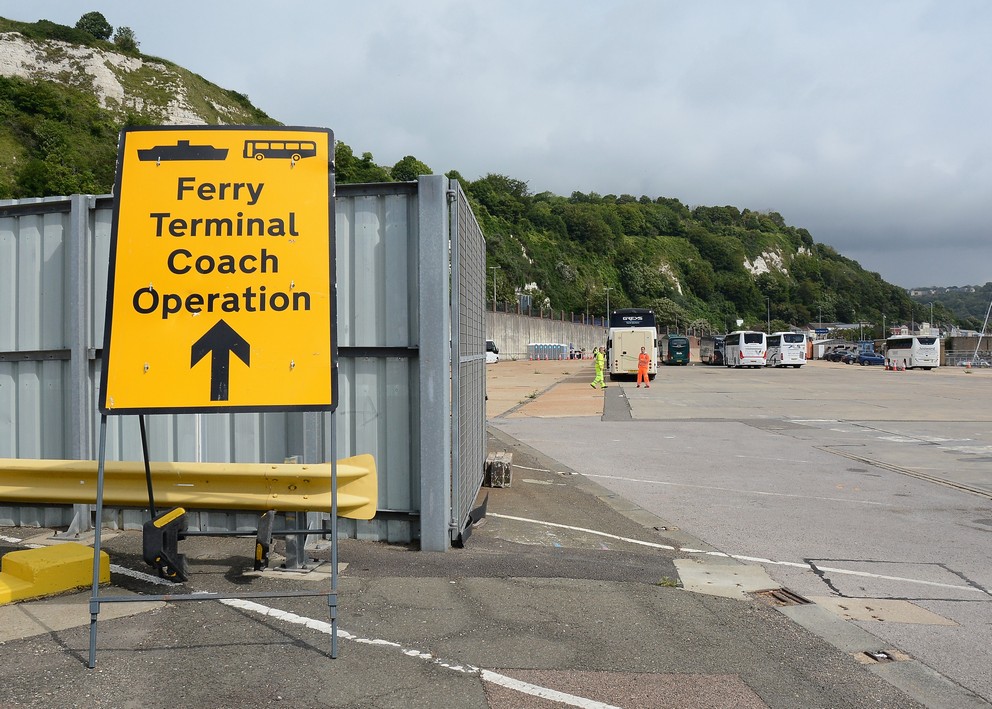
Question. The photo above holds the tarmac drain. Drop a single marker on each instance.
(782, 597)
(878, 656)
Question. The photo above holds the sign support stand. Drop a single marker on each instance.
(253, 208)
(96, 599)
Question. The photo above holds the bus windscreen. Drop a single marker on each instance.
(632, 317)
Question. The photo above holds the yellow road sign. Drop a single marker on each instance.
(221, 284)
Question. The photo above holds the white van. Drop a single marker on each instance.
(492, 352)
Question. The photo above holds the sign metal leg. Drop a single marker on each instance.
(148, 466)
(332, 599)
(97, 525)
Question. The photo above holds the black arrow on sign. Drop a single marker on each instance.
(220, 340)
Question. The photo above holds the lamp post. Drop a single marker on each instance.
(607, 289)
(931, 315)
(883, 326)
(768, 313)
(493, 268)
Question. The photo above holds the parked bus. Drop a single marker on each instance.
(912, 351)
(630, 330)
(786, 349)
(711, 349)
(674, 349)
(745, 348)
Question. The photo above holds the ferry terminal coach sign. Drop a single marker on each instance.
(221, 285)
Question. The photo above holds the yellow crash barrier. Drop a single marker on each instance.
(286, 487)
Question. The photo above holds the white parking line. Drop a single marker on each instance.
(486, 675)
(741, 557)
(743, 492)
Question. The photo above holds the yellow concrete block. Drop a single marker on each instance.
(31, 573)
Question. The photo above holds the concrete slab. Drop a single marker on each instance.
(843, 635)
(727, 580)
(29, 619)
(880, 609)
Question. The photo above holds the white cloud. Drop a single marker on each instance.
(864, 123)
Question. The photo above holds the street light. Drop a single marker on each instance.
(608, 289)
(768, 310)
(931, 314)
(493, 268)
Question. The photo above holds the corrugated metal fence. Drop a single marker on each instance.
(395, 375)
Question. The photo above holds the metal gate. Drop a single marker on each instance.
(468, 361)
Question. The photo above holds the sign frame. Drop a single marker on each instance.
(214, 345)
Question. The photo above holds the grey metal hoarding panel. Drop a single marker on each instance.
(381, 270)
(377, 308)
(32, 317)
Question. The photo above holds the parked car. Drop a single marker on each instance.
(867, 358)
(837, 354)
(849, 357)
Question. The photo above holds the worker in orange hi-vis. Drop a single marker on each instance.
(643, 362)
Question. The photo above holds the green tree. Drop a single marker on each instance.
(642, 282)
(349, 169)
(409, 168)
(502, 196)
(126, 40)
(586, 225)
(96, 24)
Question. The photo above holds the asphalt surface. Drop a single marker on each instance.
(566, 594)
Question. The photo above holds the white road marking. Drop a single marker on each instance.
(486, 675)
(524, 467)
(543, 692)
(741, 557)
(777, 460)
(744, 492)
(141, 576)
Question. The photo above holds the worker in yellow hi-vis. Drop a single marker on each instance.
(599, 355)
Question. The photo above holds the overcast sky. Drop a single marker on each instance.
(867, 123)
